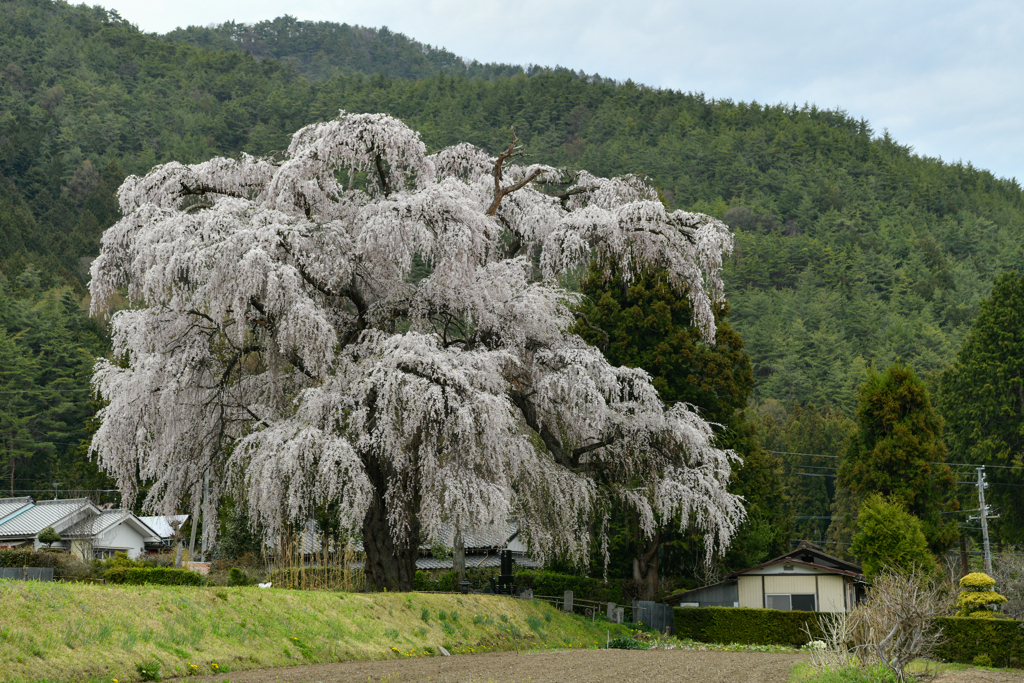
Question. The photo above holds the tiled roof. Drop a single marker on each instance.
(60, 514)
(9, 506)
(94, 526)
(474, 561)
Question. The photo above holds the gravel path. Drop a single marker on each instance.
(598, 666)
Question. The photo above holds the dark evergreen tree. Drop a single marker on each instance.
(647, 324)
(982, 399)
(897, 450)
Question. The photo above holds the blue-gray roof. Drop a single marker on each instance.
(10, 506)
(60, 514)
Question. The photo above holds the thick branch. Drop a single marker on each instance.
(593, 328)
(554, 445)
(499, 191)
(551, 441)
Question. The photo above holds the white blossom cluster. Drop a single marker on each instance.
(276, 341)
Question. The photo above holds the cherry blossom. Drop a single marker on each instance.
(362, 324)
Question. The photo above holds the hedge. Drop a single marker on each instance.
(10, 557)
(162, 576)
(965, 638)
(542, 583)
(582, 587)
(745, 625)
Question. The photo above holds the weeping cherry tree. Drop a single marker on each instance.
(281, 340)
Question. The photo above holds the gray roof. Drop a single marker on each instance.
(94, 526)
(161, 524)
(475, 561)
(60, 514)
(9, 506)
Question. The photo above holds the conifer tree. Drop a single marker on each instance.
(896, 452)
(647, 323)
(982, 399)
(890, 539)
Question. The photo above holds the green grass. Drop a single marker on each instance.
(79, 632)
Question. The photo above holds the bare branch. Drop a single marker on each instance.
(499, 191)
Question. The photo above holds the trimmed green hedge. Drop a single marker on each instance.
(582, 587)
(161, 576)
(542, 583)
(964, 638)
(744, 625)
(10, 557)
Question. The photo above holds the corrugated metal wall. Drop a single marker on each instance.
(830, 594)
(750, 591)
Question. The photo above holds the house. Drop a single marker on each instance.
(806, 578)
(10, 507)
(483, 548)
(85, 529)
(163, 526)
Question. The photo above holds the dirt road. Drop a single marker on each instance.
(597, 666)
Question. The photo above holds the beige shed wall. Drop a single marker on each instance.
(789, 584)
(830, 594)
(750, 591)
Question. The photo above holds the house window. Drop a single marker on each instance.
(787, 567)
(786, 602)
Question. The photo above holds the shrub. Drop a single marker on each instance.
(626, 644)
(977, 599)
(9, 557)
(582, 587)
(237, 577)
(161, 576)
(966, 638)
(746, 625)
(64, 565)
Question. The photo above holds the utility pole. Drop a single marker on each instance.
(984, 517)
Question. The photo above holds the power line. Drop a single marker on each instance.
(955, 464)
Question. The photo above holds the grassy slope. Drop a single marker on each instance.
(76, 632)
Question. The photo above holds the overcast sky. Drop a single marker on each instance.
(943, 76)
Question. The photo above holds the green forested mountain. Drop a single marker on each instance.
(850, 249)
(321, 49)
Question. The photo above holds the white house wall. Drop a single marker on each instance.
(121, 537)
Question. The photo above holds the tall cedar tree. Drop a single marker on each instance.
(982, 399)
(890, 539)
(895, 450)
(647, 324)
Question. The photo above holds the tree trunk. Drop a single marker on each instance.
(964, 568)
(459, 556)
(389, 565)
(645, 569)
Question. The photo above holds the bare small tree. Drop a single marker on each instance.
(894, 625)
(832, 652)
(177, 537)
(1008, 571)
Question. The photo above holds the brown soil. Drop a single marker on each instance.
(600, 666)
